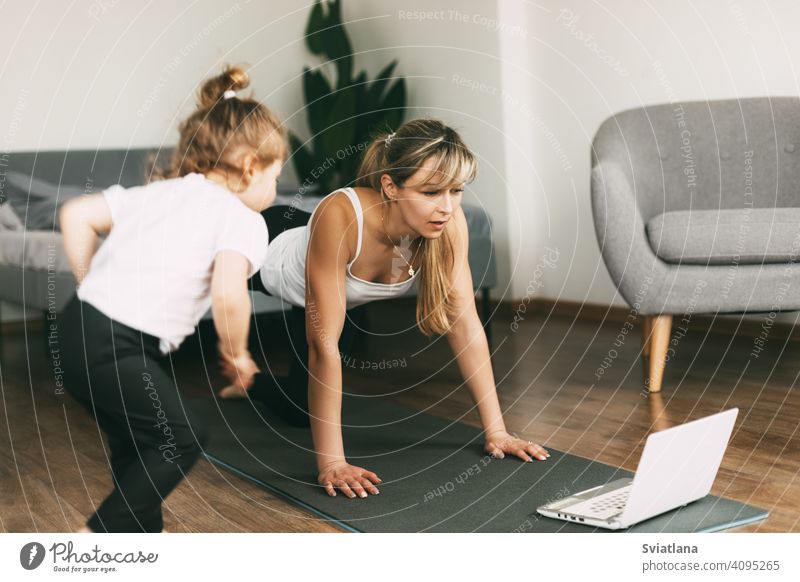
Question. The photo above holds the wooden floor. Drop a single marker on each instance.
(53, 467)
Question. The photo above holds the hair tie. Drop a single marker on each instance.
(389, 138)
(229, 93)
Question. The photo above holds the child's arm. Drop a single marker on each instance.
(231, 308)
(471, 350)
(82, 221)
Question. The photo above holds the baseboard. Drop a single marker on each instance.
(11, 328)
(585, 311)
(717, 324)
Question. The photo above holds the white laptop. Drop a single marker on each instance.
(678, 466)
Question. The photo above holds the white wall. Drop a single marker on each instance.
(527, 84)
(107, 73)
(112, 74)
(591, 59)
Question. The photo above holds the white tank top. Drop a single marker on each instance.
(283, 273)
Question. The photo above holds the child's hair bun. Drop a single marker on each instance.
(233, 78)
(223, 127)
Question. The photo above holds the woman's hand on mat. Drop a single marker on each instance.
(499, 444)
(239, 369)
(351, 480)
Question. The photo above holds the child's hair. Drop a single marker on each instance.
(225, 127)
(400, 155)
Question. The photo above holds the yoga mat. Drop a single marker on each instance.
(435, 474)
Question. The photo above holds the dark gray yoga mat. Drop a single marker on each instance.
(435, 475)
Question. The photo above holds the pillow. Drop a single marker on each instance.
(9, 219)
(36, 202)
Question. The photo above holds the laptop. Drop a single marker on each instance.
(678, 466)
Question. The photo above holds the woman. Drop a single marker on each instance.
(406, 208)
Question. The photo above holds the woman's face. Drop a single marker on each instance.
(427, 201)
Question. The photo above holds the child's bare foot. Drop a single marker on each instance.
(232, 391)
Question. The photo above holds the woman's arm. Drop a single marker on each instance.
(467, 339)
(82, 222)
(326, 263)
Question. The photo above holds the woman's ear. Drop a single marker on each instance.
(388, 186)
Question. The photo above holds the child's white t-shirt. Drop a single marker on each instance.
(153, 272)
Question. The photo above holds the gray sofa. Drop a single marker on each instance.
(697, 210)
(34, 272)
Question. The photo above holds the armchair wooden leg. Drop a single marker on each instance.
(659, 327)
(647, 329)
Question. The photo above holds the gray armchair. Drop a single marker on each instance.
(697, 210)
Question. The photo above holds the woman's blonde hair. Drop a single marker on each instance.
(224, 127)
(400, 155)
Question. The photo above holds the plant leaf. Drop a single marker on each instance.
(344, 118)
(338, 44)
(341, 124)
(315, 41)
(375, 90)
(317, 93)
(394, 104)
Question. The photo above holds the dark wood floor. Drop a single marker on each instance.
(52, 461)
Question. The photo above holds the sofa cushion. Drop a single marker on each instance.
(726, 237)
(9, 219)
(36, 202)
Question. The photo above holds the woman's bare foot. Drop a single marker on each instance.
(232, 391)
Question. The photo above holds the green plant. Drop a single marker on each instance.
(343, 115)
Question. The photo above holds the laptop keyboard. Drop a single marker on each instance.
(603, 506)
